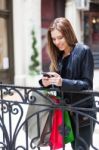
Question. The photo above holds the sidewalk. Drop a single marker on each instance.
(96, 79)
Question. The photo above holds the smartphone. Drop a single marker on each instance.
(45, 74)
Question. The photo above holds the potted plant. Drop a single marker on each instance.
(34, 66)
(34, 70)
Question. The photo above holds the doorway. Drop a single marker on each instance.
(91, 31)
(49, 11)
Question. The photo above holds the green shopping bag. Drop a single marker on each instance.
(69, 131)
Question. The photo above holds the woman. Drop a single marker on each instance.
(71, 69)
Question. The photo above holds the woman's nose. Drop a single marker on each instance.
(57, 42)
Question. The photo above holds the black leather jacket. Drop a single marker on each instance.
(77, 74)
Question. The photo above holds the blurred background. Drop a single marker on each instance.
(20, 49)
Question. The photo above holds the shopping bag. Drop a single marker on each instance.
(61, 132)
(39, 105)
(69, 137)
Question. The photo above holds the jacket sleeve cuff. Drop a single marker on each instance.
(74, 85)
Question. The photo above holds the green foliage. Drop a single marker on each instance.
(34, 58)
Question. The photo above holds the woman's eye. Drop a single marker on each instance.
(60, 37)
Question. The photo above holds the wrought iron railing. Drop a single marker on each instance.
(26, 115)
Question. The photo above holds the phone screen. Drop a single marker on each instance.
(45, 74)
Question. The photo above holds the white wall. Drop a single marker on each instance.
(73, 15)
(26, 16)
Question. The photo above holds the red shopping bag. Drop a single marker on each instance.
(59, 133)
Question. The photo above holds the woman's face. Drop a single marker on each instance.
(59, 40)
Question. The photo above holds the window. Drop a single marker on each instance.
(95, 29)
(6, 42)
(4, 63)
(3, 5)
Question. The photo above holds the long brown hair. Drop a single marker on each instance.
(64, 26)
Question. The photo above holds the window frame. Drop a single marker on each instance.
(7, 75)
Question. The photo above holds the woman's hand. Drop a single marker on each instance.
(45, 81)
(54, 78)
